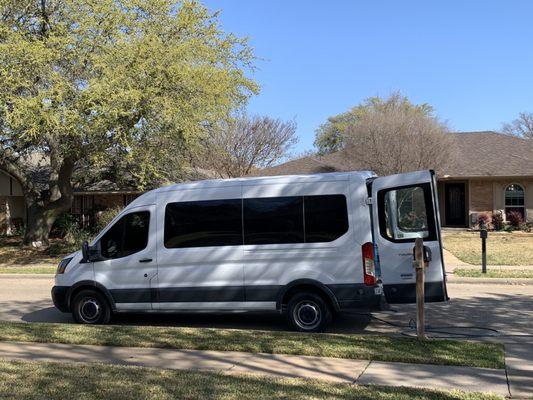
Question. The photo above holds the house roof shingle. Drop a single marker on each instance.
(478, 154)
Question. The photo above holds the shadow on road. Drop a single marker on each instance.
(508, 313)
(242, 320)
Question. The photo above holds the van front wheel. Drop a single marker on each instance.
(91, 307)
(308, 312)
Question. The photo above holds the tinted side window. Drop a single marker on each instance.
(273, 220)
(203, 223)
(127, 236)
(326, 218)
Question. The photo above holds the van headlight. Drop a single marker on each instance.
(63, 265)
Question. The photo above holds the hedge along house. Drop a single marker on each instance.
(492, 173)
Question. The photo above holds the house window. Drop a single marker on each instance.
(128, 198)
(514, 200)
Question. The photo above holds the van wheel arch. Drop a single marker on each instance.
(90, 285)
(308, 286)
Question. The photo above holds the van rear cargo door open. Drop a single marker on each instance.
(405, 207)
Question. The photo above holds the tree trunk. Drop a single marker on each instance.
(39, 223)
(44, 210)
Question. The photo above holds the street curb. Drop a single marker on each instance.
(27, 276)
(488, 281)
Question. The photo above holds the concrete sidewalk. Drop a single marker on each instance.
(332, 369)
(520, 368)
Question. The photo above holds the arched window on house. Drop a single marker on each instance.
(514, 200)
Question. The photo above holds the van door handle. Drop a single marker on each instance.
(145, 260)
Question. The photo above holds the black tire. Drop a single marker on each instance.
(308, 312)
(91, 307)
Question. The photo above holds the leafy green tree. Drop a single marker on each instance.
(330, 136)
(83, 80)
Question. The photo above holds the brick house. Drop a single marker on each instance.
(89, 198)
(493, 172)
(87, 202)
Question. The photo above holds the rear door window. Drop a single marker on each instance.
(406, 213)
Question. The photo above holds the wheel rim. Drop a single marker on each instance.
(307, 315)
(90, 310)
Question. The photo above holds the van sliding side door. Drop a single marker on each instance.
(406, 208)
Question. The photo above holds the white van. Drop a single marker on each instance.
(308, 246)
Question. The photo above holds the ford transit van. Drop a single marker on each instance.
(307, 246)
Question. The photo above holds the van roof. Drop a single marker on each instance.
(150, 197)
(210, 183)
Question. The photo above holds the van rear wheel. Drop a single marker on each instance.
(91, 307)
(308, 312)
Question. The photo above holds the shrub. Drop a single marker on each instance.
(483, 220)
(497, 221)
(515, 219)
(68, 229)
(103, 218)
(527, 226)
(65, 226)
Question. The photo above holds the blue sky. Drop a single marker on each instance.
(471, 60)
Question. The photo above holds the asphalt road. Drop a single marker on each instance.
(506, 308)
(494, 312)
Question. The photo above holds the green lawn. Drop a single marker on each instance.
(32, 380)
(13, 252)
(503, 248)
(28, 269)
(364, 347)
(496, 273)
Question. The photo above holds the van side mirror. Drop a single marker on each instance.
(85, 251)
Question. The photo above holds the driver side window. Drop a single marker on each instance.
(127, 236)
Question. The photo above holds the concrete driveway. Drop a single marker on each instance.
(508, 309)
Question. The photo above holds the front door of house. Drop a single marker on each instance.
(455, 204)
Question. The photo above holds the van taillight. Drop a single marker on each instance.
(369, 267)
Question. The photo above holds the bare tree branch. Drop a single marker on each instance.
(521, 127)
(234, 148)
(395, 139)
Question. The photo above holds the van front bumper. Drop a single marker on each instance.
(59, 297)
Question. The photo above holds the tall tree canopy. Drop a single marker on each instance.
(395, 136)
(83, 80)
(330, 135)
